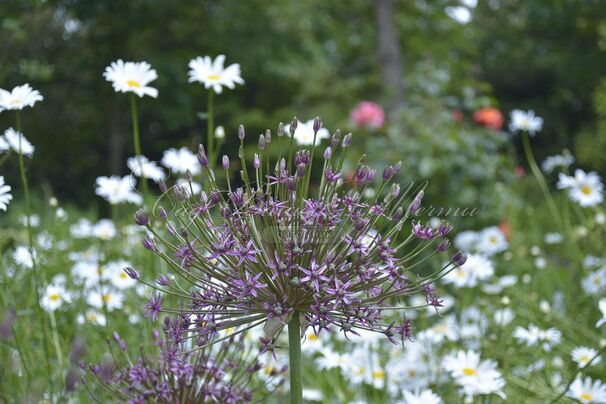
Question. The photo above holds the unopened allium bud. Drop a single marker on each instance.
(148, 244)
(416, 203)
(241, 132)
(443, 246)
(301, 170)
(361, 174)
(131, 272)
(261, 142)
(215, 198)
(387, 173)
(327, 153)
(256, 161)
(181, 192)
(163, 213)
(188, 175)
(336, 138)
(162, 186)
(399, 214)
(225, 162)
(280, 130)
(444, 229)
(268, 136)
(141, 218)
(120, 341)
(219, 132)
(397, 168)
(291, 184)
(317, 124)
(347, 140)
(459, 258)
(370, 175)
(395, 190)
(202, 157)
(293, 126)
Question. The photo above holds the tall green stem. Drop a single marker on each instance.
(137, 143)
(294, 354)
(30, 239)
(540, 179)
(210, 128)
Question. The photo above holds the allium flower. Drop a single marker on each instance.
(181, 160)
(369, 115)
(183, 370)
(19, 98)
(5, 194)
(525, 122)
(15, 141)
(118, 190)
(490, 117)
(142, 167)
(587, 390)
(304, 133)
(269, 251)
(584, 188)
(212, 73)
(131, 77)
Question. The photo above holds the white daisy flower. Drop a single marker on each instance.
(584, 188)
(466, 240)
(118, 190)
(420, 397)
(23, 257)
(602, 307)
(534, 336)
(131, 77)
(83, 228)
(595, 282)
(87, 272)
(15, 141)
(92, 317)
(19, 98)
(474, 376)
(114, 273)
(477, 268)
(5, 194)
(446, 329)
(503, 317)
(553, 238)
(312, 395)
(313, 343)
(54, 296)
(213, 74)
(181, 160)
(587, 391)
(525, 121)
(142, 167)
(412, 367)
(492, 240)
(332, 360)
(563, 160)
(110, 298)
(582, 355)
(34, 220)
(304, 134)
(104, 229)
(190, 186)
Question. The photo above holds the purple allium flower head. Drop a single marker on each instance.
(202, 157)
(317, 125)
(225, 162)
(162, 186)
(443, 245)
(293, 242)
(153, 306)
(459, 258)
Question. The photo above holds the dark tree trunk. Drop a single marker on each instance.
(390, 58)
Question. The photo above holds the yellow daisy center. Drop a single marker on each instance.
(469, 372)
(412, 373)
(312, 337)
(133, 83)
(587, 396)
(213, 76)
(55, 297)
(123, 275)
(106, 298)
(378, 374)
(584, 358)
(586, 190)
(268, 370)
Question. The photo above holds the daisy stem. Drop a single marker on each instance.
(540, 178)
(138, 154)
(30, 239)
(210, 128)
(294, 354)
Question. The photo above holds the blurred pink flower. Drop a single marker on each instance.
(369, 115)
(489, 117)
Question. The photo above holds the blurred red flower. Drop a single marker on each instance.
(489, 117)
(368, 114)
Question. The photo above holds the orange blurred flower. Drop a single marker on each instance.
(489, 117)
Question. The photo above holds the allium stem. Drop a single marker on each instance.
(294, 354)
(540, 178)
(137, 143)
(210, 129)
(30, 239)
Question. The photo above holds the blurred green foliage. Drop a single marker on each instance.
(303, 58)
